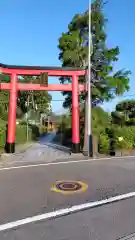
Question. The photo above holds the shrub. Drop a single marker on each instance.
(2, 133)
(124, 144)
(43, 129)
(128, 134)
(104, 143)
(110, 138)
(21, 134)
(67, 136)
(34, 131)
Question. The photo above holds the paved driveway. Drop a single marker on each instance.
(42, 151)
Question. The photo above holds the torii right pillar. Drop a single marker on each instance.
(75, 115)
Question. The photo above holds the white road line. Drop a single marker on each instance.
(65, 211)
(64, 162)
(129, 237)
(43, 164)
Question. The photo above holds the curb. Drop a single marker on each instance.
(59, 147)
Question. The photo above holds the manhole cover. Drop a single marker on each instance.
(69, 187)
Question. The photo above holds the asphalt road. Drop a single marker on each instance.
(110, 222)
(25, 192)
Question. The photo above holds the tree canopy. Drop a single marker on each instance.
(37, 99)
(26, 100)
(73, 46)
(124, 113)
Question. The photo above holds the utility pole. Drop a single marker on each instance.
(90, 145)
(27, 118)
(49, 112)
(48, 127)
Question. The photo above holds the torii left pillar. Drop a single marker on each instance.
(10, 143)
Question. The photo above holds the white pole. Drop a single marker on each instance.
(90, 150)
(27, 118)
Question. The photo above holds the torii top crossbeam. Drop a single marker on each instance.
(36, 70)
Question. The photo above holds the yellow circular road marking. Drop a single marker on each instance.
(69, 187)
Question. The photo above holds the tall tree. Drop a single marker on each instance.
(73, 45)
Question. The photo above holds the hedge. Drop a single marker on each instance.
(21, 134)
(127, 133)
(103, 145)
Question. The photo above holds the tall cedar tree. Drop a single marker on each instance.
(73, 47)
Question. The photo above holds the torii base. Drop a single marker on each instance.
(10, 147)
(75, 147)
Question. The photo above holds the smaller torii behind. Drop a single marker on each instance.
(14, 86)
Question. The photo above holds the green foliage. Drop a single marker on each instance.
(35, 132)
(124, 113)
(2, 133)
(106, 132)
(124, 144)
(105, 82)
(38, 100)
(64, 132)
(130, 122)
(128, 134)
(43, 130)
(64, 123)
(118, 118)
(21, 133)
(128, 105)
(100, 120)
(73, 46)
(4, 98)
(104, 143)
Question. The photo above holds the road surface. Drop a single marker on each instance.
(42, 151)
(26, 192)
(105, 223)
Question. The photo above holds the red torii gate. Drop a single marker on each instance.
(14, 86)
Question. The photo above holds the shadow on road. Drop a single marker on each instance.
(47, 139)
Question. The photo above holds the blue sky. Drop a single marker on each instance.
(121, 32)
(30, 31)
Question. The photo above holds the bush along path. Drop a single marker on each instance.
(23, 140)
